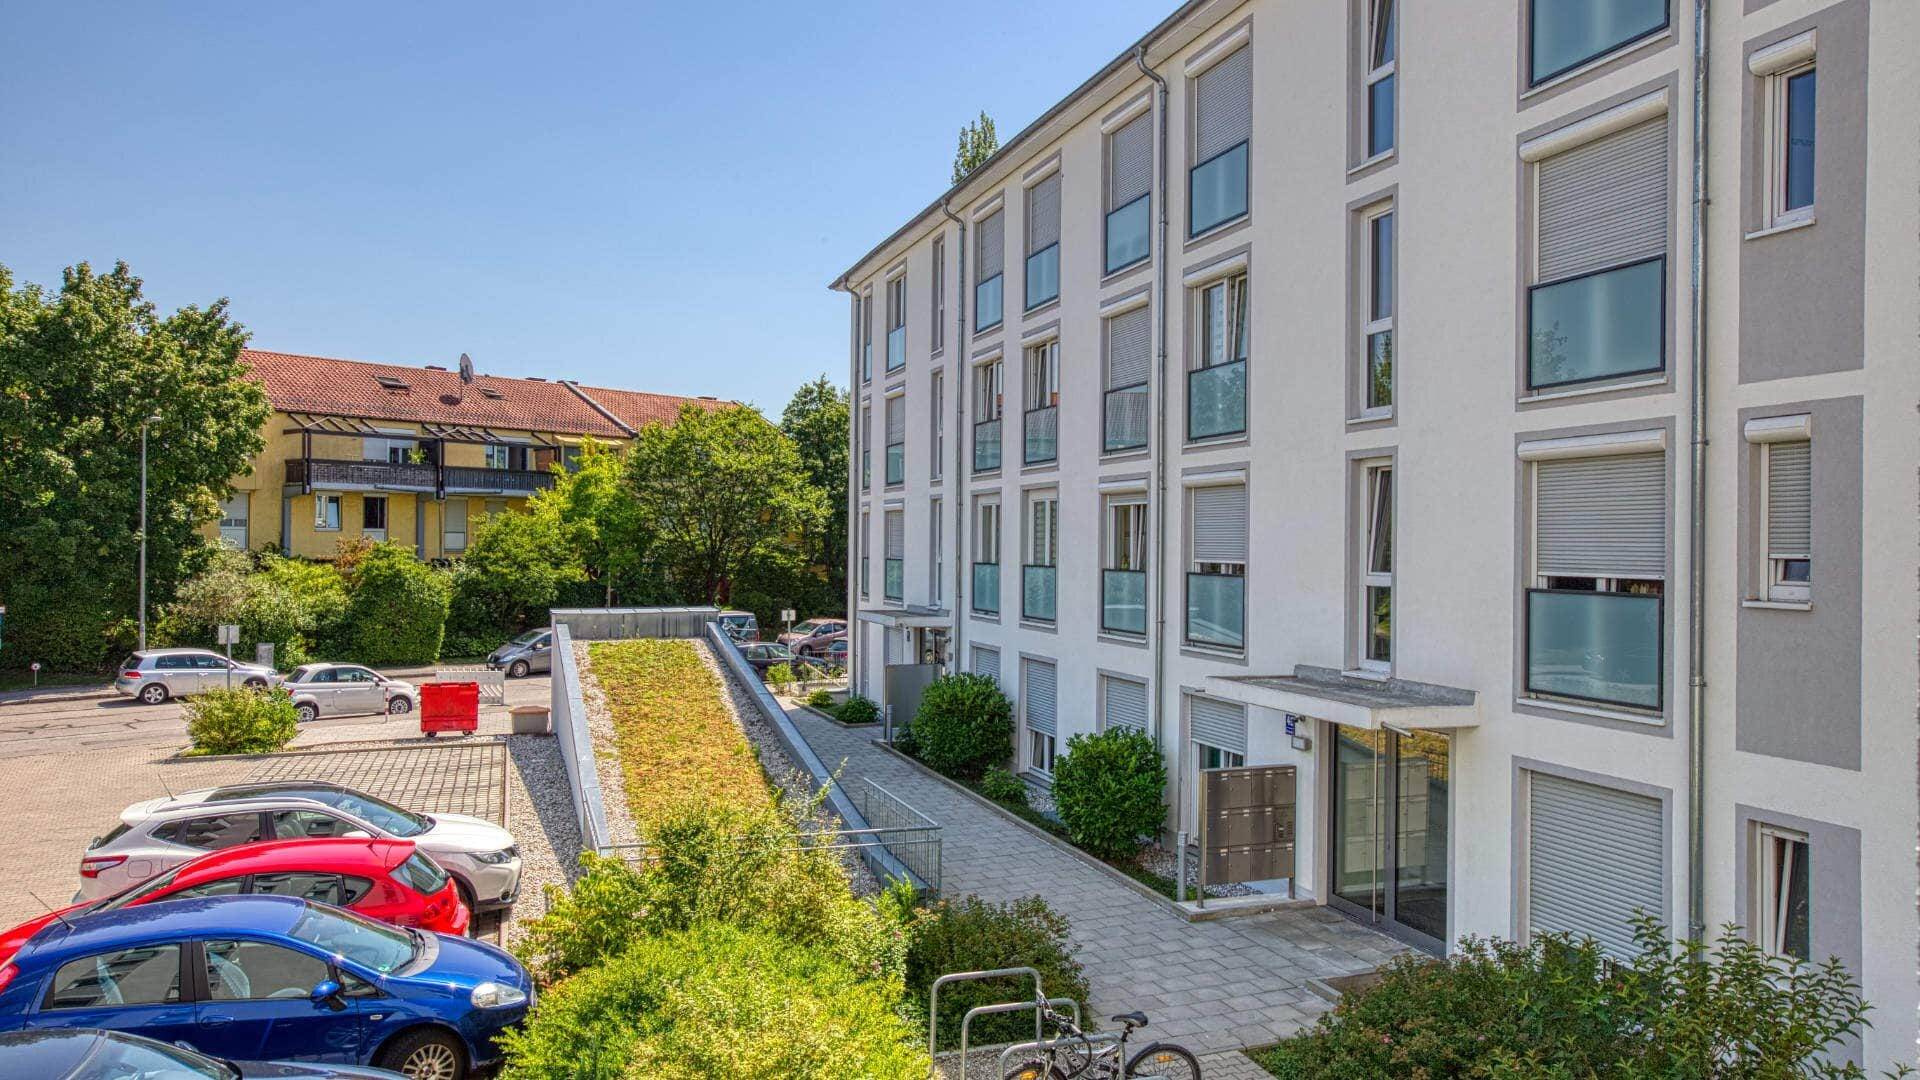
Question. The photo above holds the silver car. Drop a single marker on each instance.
(159, 834)
(524, 655)
(347, 690)
(155, 675)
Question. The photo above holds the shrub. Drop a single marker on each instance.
(859, 710)
(972, 934)
(714, 1001)
(1002, 786)
(820, 699)
(241, 721)
(965, 723)
(780, 677)
(396, 608)
(294, 604)
(1108, 788)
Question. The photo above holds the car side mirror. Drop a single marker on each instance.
(355, 834)
(325, 990)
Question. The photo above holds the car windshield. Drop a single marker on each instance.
(529, 637)
(119, 1056)
(363, 941)
(113, 834)
(144, 889)
(384, 815)
(807, 627)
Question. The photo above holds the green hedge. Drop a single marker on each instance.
(396, 608)
(241, 721)
(965, 724)
(1109, 789)
(971, 934)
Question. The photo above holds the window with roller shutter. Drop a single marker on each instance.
(1222, 98)
(1129, 186)
(1043, 242)
(1595, 857)
(1039, 706)
(991, 239)
(1789, 520)
(1217, 570)
(1123, 703)
(1129, 348)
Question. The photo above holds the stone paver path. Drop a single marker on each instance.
(1212, 986)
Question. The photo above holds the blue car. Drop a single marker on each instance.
(83, 1054)
(271, 978)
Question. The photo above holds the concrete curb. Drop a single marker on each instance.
(358, 746)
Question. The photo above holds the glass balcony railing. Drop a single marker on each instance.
(893, 583)
(1598, 326)
(866, 360)
(1595, 646)
(1217, 190)
(896, 348)
(1127, 241)
(1123, 601)
(1042, 430)
(986, 588)
(896, 463)
(1039, 592)
(1217, 400)
(1124, 425)
(1217, 610)
(986, 445)
(986, 303)
(864, 579)
(866, 467)
(1043, 276)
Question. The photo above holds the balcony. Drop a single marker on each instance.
(1127, 241)
(1123, 601)
(986, 445)
(464, 480)
(372, 475)
(896, 348)
(896, 463)
(1039, 592)
(1217, 610)
(986, 588)
(1042, 430)
(893, 584)
(1124, 425)
(1604, 647)
(1217, 190)
(1217, 401)
(1043, 276)
(986, 303)
(1598, 326)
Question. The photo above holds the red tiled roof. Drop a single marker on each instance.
(330, 387)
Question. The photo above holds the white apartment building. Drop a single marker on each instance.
(1427, 431)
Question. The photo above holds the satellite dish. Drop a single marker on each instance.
(466, 368)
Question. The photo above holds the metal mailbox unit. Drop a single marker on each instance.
(1247, 821)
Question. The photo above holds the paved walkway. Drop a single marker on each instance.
(1212, 986)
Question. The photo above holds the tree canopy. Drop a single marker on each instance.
(817, 420)
(977, 144)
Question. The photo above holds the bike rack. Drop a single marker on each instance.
(966, 1022)
(1090, 1041)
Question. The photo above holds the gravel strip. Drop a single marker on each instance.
(1159, 860)
(540, 816)
(606, 753)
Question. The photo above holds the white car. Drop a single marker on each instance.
(346, 690)
(159, 834)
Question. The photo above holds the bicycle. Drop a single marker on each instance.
(1073, 1056)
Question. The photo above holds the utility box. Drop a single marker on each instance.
(449, 706)
(263, 653)
(532, 720)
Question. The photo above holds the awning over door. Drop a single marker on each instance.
(907, 618)
(1326, 694)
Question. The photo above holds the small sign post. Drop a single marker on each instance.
(36, 672)
(229, 636)
(3, 626)
(787, 616)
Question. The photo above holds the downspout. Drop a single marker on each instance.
(955, 655)
(1697, 503)
(1158, 555)
(854, 629)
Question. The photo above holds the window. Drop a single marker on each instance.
(1217, 566)
(1129, 193)
(307, 824)
(1222, 127)
(1597, 308)
(257, 971)
(326, 513)
(937, 424)
(1043, 242)
(936, 565)
(1212, 757)
(498, 457)
(1382, 35)
(321, 888)
(866, 336)
(1569, 33)
(986, 661)
(1123, 703)
(496, 507)
(1218, 730)
(1595, 618)
(865, 436)
(1797, 119)
(895, 414)
(1042, 422)
(1377, 321)
(986, 550)
(212, 833)
(396, 449)
(453, 525)
(1782, 892)
(143, 975)
(373, 517)
(866, 534)
(1038, 696)
(897, 323)
(1788, 86)
(1129, 342)
(1786, 500)
(990, 233)
(233, 520)
(1039, 578)
(1217, 382)
(1376, 577)
(937, 334)
(1123, 575)
(893, 583)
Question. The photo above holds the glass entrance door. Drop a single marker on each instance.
(1388, 830)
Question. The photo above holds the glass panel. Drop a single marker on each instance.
(1420, 833)
(1382, 266)
(1217, 609)
(986, 446)
(896, 348)
(1043, 275)
(1127, 241)
(1217, 190)
(1598, 326)
(1217, 400)
(893, 584)
(986, 588)
(1380, 623)
(1597, 646)
(986, 302)
(1568, 33)
(1380, 102)
(1795, 927)
(1358, 851)
(1043, 434)
(1380, 369)
(1126, 418)
(1386, 34)
(1123, 601)
(896, 463)
(1800, 129)
(1038, 587)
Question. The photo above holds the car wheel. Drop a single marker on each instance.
(255, 684)
(518, 670)
(306, 712)
(424, 1054)
(399, 706)
(153, 693)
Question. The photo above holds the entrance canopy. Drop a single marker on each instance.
(908, 618)
(1327, 694)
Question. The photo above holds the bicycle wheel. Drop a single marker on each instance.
(1165, 1060)
(1036, 1069)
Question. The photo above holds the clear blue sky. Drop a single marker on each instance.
(647, 195)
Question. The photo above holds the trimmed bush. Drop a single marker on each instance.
(780, 677)
(972, 934)
(859, 710)
(965, 723)
(1108, 788)
(1002, 786)
(820, 699)
(716, 1001)
(241, 721)
(396, 608)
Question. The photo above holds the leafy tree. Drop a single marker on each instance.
(517, 568)
(80, 369)
(817, 420)
(722, 490)
(293, 603)
(977, 144)
(594, 504)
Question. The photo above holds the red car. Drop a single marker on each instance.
(381, 879)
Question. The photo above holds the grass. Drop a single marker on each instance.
(676, 739)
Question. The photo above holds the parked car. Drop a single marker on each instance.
(97, 1054)
(764, 654)
(388, 880)
(155, 675)
(800, 637)
(822, 644)
(836, 652)
(347, 690)
(257, 978)
(159, 834)
(739, 625)
(524, 655)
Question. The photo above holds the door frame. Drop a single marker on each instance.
(1386, 792)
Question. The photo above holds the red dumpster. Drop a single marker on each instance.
(449, 706)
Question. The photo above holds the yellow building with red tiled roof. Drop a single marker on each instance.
(414, 455)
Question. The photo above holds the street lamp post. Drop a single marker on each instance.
(143, 528)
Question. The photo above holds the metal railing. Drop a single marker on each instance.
(316, 472)
(467, 478)
(912, 837)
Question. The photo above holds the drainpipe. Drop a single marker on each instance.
(854, 628)
(961, 369)
(1159, 390)
(1697, 503)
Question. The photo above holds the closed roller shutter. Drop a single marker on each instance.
(1219, 724)
(1604, 203)
(1043, 214)
(896, 420)
(896, 535)
(1223, 113)
(1219, 523)
(1790, 499)
(1040, 697)
(1130, 159)
(1126, 704)
(1595, 855)
(1604, 516)
(986, 662)
(992, 237)
(1129, 348)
